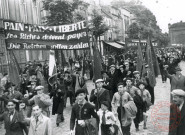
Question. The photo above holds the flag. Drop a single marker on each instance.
(97, 63)
(155, 61)
(149, 61)
(140, 61)
(52, 68)
(14, 69)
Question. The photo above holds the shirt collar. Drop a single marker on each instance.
(12, 113)
(40, 117)
(181, 105)
(82, 103)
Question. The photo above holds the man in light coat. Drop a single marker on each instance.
(39, 124)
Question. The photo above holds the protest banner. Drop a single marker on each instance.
(21, 36)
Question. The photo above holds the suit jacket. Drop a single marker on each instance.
(177, 120)
(97, 99)
(42, 127)
(16, 126)
(87, 111)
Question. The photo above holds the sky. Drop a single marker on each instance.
(166, 11)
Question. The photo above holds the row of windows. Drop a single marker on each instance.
(28, 11)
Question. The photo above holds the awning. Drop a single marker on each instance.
(120, 42)
(114, 44)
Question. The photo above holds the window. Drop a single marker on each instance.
(4, 10)
(23, 11)
(126, 21)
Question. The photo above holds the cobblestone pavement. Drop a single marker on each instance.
(158, 114)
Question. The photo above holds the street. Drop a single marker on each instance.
(162, 95)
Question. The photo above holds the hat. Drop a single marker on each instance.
(139, 83)
(178, 92)
(126, 62)
(136, 72)
(112, 66)
(129, 79)
(80, 91)
(146, 66)
(120, 66)
(99, 80)
(39, 88)
(177, 69)
(24, 75)
(120, 83)
(106, 103)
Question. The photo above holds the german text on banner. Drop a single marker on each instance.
(21, 36)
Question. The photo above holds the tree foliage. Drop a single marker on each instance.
(144, 21)
(98, 25)
(60, 12)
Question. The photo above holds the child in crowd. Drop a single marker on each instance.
(107, 120)
(145, 95)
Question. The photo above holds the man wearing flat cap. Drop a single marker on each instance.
(41, 99)
(177, 114)
(138, 78)
(177, 80)
(99, 94)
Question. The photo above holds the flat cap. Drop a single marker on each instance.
(120, 66)
(106, 103)
(136, 72)
(79, 91)
(99, 80)
(39, 88)
(146, 66)
(112, 65)
(139, 83)
(178, 92)
(129, 79)
(126, 62)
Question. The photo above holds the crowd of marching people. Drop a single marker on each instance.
(122, 95)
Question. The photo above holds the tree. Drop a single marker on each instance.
(133, 31)
(145, 21)
(98, 25)
(60, 12)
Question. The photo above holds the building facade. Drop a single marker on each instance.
(177, 34)
(26, 11)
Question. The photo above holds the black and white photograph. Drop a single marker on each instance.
(92, 67)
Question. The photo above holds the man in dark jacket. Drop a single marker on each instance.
(13, 120)
(58, 93)
(99, 94)
(81, 112)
